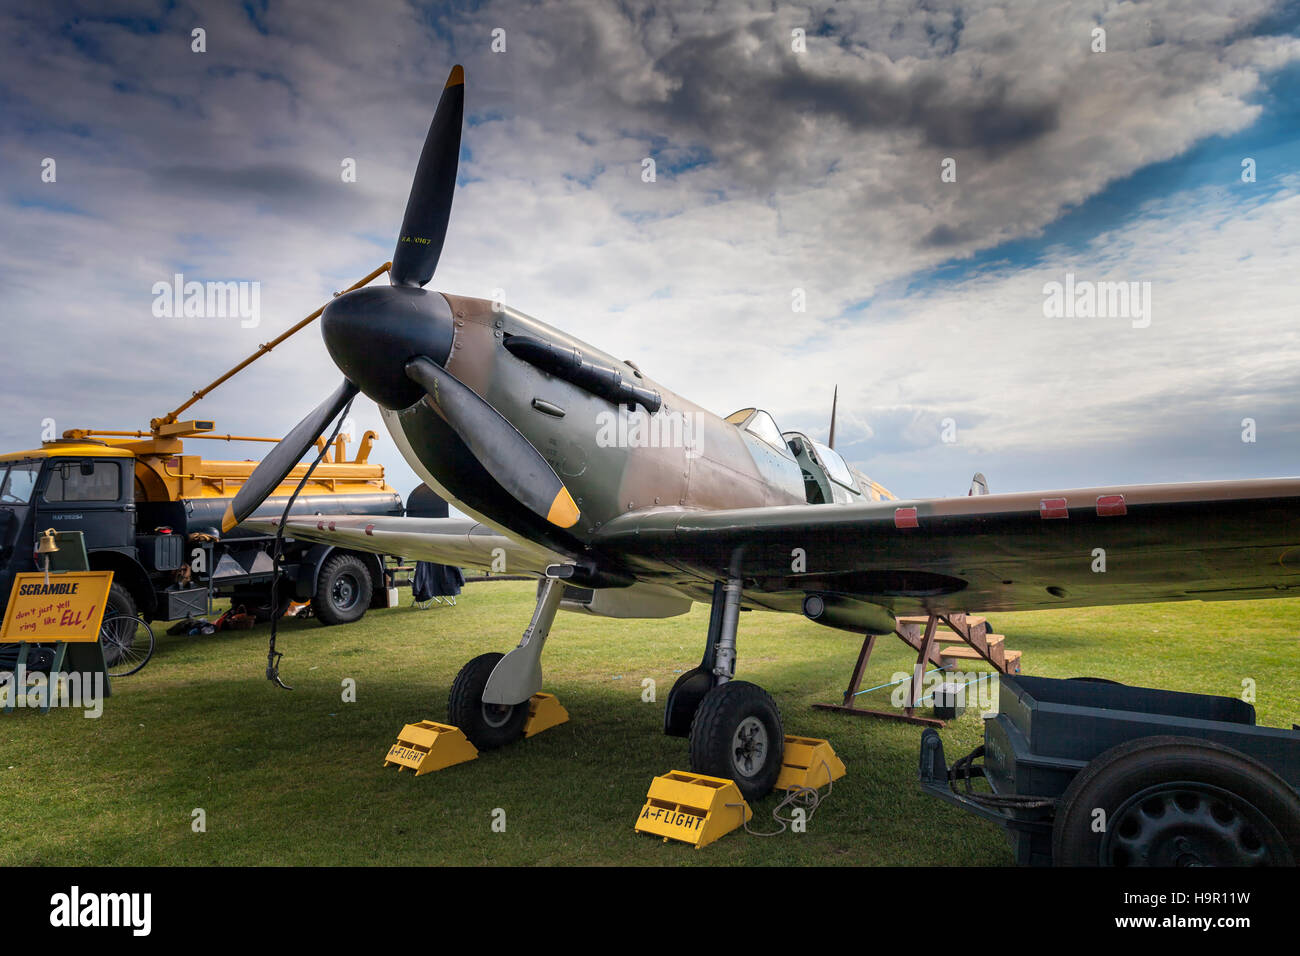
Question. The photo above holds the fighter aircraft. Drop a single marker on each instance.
(631, 501)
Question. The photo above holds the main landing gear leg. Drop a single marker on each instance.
(489, 697)
(734, 726)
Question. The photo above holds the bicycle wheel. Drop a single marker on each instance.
(128, 644)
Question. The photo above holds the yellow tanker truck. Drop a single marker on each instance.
(150, 511)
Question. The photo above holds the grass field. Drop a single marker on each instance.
(296, 778)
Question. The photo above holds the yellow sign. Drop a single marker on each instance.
(69, 608)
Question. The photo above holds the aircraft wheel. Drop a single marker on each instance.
(1176, 801)
(488, 726)
(737, 735)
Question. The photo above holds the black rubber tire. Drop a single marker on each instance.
(343, 576)
(715, 729)
(487, 726)
(1205, 787)
(119, 602)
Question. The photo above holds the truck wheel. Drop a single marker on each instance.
(1176, 801)
(737, 735)
(119, 602)
(488, 726)
(342, 591)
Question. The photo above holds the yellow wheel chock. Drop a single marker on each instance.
(544, 712)
(692, 808)
(429, 746)
(808, 762)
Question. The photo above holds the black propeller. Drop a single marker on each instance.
(424, 226)
(511, 458)
(275, 467)
(391, 344)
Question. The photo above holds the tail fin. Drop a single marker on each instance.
(979, 485)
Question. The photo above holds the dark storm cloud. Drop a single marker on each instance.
(947, 117)
(731, 83)
(943, 236)
(266, 181)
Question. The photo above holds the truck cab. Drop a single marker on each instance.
(151, 514)
(76, 486)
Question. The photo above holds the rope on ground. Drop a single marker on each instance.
(807, 799)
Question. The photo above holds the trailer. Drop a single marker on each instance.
(1085, 772)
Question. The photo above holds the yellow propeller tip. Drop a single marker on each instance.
(457, 77)
(564, 513)
(228, 520)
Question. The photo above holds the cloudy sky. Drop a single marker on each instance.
(789, 166)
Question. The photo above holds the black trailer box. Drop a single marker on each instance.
(1047, 730)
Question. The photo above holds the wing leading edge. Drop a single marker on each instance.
(456, 541)
(1003, 552)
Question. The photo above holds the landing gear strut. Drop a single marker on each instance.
(489, 697)
(734, 726)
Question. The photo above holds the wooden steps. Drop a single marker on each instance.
(951, 638)
(966, 653)
(971, 619)
(940, 641)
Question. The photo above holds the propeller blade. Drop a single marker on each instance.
(275, 467)
(424, 226)
(511, 458)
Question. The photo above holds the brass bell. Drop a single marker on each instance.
(46, 544)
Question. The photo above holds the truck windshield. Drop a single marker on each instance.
(19, 482)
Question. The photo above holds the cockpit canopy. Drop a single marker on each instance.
(823, 473)
(759, 423)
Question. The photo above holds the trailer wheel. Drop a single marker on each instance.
(737, 735)
(488, 726)
(1176, 801)
(343, 590)
(119, 603)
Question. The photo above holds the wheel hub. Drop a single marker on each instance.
(749, 747)
(497, 715)
(1189, 824)
(345, 592)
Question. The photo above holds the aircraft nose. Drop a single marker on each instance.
(373, 332)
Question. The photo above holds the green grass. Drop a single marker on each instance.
(296, 778)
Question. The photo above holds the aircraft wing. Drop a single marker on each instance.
(996, 552)
(456, 541)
